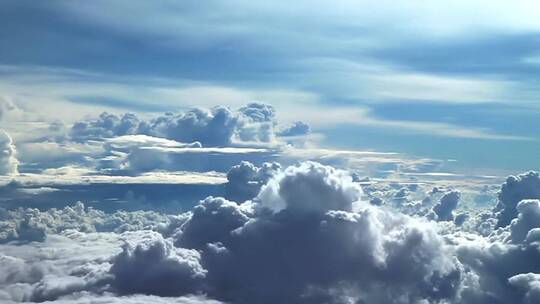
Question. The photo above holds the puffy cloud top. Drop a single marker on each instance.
(105, 126)
(300, 240)
(528, 219)
(444, 209)
(530, 283)
(310, 186)
(8, 162)
(296, 129)
(211, 221)
(218, 126)
(515, 189)
(245, 179)
(155, 266)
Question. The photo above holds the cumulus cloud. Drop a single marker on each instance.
(63, 265)
(211, 221)
(528, 218)
(446, 206)
(530, 284)
(245, 179)
(298, 128)
(218, 126)
(515, 189)
(504, 262)
(301, 242)
(310, 186)
(105, 126)
(30, 224)
(308, 236)
(8, 161)
(155, 266)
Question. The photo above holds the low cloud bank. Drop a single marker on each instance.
(301, 234)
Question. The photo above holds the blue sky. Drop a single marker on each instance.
(450, 81)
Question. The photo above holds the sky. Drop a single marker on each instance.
(446, 81)
(208, 152)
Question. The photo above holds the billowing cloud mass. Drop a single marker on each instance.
(155, 266)
(298, 128)
(218, 126)
(312, 248)
(8, 160)
(444, 209)
(303, 234)
(515, 189)
(30, 224)
(522, 227)
(310, 186)
(245, 179)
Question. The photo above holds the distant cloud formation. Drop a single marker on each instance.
(296, 129)
(218, 126)
(8, 160)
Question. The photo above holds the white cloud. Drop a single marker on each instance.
(8, 160)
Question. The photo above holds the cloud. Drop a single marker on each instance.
(530, 283)
(110, 298)
(8, 160)
(308, 236)
(245, 179)
(502, 262)
(528, 218)
(105, 126)
(296, 129)
(310, 186)
(32, 225)
(446, 206)
(515, 189)
(64, 265)
(218, 126)
(211, 221)
(24, 229)
(128, 142)
(155, 266)
(313, 248)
